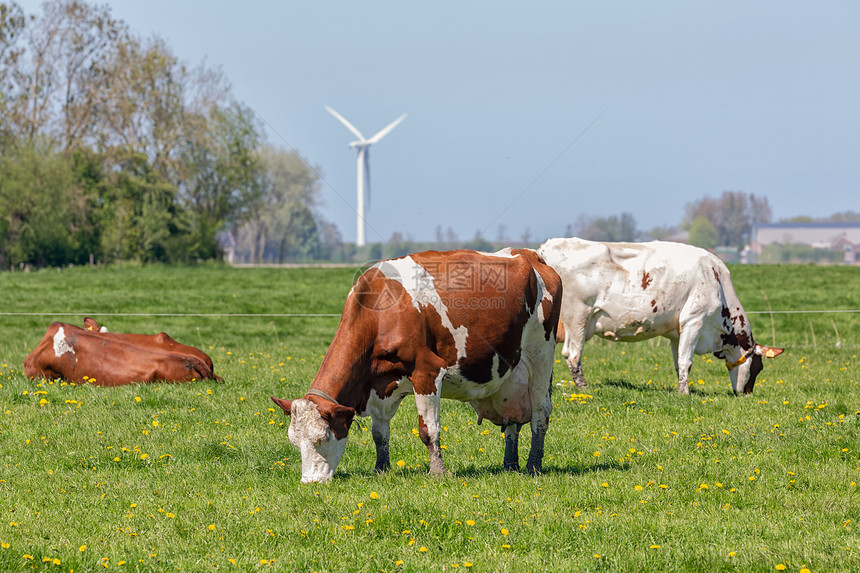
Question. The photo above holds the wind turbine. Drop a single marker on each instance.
(362, 179)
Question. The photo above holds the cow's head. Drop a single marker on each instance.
(744, 371)
(319, 430)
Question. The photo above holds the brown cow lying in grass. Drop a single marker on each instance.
(105, 358)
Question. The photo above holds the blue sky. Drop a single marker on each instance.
(530, 115)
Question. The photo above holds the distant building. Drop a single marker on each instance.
(830, 243)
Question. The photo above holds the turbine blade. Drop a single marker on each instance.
(343, 120)
(367, 175)
(384, 131)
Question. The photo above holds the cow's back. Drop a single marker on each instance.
(633, 291)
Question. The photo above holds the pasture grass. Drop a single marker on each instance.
(201, 476)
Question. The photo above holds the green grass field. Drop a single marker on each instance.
(201, 476)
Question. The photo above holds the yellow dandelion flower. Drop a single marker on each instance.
(780, 567)
(423, 549)
(505, 532)
(82, 548)
(211, 527)
(374, 495)
(655, 547)
(400, 463)
(638, 488)
(604, 484)
(470, 522)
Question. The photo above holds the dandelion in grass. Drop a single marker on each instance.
(374, 495)
(400, 463)
(780, 567)
(655, 546)
(422, 549)
(505, 532)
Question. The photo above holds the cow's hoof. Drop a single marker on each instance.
(437, 468)
(512, 467)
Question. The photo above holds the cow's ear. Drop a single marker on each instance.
(339, 420)
(286, 405)
(91, 324)
(768, 351)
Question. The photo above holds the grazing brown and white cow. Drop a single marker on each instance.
(104, 358)
(474, 327)
(634, 291)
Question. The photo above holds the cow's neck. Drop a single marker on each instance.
(346, 368)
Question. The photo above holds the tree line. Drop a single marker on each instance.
(113, 149)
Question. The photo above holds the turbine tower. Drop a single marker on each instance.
(362, 179)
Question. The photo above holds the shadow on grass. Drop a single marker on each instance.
(473, 471)
(653, 388)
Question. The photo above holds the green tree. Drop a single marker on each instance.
(703, 233)
(733, 214)
(140, 219)
(34, 207)
(284, 223)
(223, 180)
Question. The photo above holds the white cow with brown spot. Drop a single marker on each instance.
(474, 327)
(635, 291)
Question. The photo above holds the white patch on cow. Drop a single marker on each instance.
(62, 344)
(504, 253)
(320, 449)
(428, 406)
(421, 288)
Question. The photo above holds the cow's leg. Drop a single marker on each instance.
(381, 411)
(538, 368)
(381, 432)
(512, 451)
(429, 422)
(574, 342)
(684, 355)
